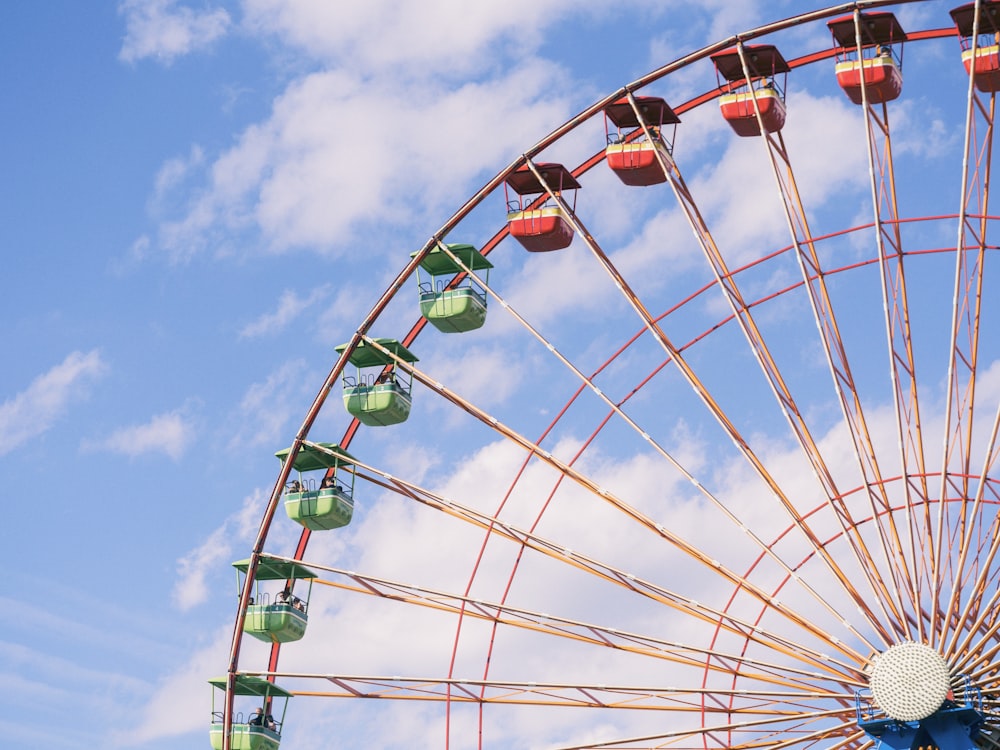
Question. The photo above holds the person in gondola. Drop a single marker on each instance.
(295, 486)
(283, 597)
(328, 483)
(386, 378)
(257, 718)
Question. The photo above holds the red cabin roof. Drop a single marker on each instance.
(989, 20)
(763, 60)
(523, 181)
(876, 28)
(655, 110)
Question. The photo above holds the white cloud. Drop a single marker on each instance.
(921, 129)
(162, 30)
(434, 37)
(481, 375)
(315, 172)
(136, 253)
(290, 306)
(341, 313)
(170, 433)
(556, 283)
(191, 588)
(266, 407)
(402, 541)
(174, 171)
(33, 411)
(178, 704)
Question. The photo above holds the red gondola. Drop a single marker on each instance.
(540, 224)
(760, 91)
(987, 52)
(632, 155)
(881, 56)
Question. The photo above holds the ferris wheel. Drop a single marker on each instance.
(680, 433)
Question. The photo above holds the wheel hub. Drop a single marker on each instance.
(909, 681)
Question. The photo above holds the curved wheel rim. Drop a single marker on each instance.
(888, 544)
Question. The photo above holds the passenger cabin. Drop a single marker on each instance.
(984, 47)
(451, 300)
(754, 91)
(638, 155)
(328, 504)
(878, 52)
(539, 223)
(280, 617)
(253, 724)
(379, 392)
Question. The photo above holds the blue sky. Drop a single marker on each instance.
(202, 199)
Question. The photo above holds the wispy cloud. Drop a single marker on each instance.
(265, 408)
(165, 31)
(290, 306)
(170, 433)
(177, 704)
(174, 171)
(300, 184)
(191, 588)
(34, 410)
(416, 39)
(293, 178)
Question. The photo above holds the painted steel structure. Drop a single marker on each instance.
(898, 549)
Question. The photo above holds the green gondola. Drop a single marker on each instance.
(381, 398)
(283, 617)
(453, 308)
(329, 505)
(255, 730)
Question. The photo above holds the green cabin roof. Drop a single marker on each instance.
(437, 262)
(310, 459)
(367, 355)
(247, 685)
(274, 569)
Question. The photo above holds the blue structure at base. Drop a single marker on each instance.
(952, 727)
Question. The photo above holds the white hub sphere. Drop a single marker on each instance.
(909, 681)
